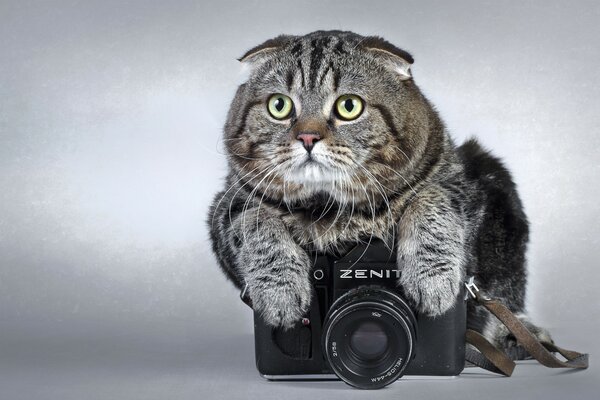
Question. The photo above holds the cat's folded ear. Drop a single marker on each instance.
(395, 58)
(264, 50)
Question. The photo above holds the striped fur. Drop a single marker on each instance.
(394, 173)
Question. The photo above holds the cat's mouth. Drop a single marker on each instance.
(310, 161)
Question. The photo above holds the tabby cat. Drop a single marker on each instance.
(331, 142)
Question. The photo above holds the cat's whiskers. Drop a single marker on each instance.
(399, 175)
(227, 191)
(352, 210)
(229, 150)
(240, 188)
(326, 209)
(317, 240)
(372, 229)
(340, 209)
(246, 158)
(338, 214)
(265, 192)
(401, 151)
(286, 198)
(345, 196)
(374, 179)
(250, 197)
(334, 191)
(345, 183)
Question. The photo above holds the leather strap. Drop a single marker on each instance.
(488, 357)
(493, 359)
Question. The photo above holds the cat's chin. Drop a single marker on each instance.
(313, 178)
(312, 172)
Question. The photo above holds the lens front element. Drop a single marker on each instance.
(369, 341)
(369, 337)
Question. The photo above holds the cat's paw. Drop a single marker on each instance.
(432, 295)
(282, 305)
(499, 335)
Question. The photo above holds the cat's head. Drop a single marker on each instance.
(331, 112)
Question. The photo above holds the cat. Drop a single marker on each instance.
(331, 142)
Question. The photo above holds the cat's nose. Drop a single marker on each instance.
(308, 139)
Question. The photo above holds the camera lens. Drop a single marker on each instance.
(369, 337)
(369, 340)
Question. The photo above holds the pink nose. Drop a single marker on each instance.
(308, 139)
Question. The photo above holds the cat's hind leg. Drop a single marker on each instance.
(499, 335)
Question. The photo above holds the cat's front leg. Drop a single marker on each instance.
(431, 251)
(275, 269)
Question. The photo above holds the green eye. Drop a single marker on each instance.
(280, 106)
(348, 107)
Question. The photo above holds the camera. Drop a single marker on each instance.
(360, 328)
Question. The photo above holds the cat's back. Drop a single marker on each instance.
(502, 236)
(490, 174)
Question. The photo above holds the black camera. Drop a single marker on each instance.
(361, 328)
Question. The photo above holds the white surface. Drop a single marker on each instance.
(223, 368)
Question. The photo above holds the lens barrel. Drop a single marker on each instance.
(369, 337)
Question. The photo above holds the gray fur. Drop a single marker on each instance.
(394, 173)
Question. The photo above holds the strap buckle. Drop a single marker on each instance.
(471, 288)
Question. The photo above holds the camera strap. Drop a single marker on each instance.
(489, 357)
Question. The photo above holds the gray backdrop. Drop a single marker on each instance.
(110, 119)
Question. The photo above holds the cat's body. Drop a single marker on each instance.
(316, 180)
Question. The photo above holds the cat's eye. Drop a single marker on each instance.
(348, 107)
(280, 106)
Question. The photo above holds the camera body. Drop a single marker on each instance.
(361, 328)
